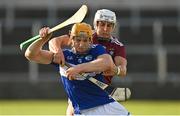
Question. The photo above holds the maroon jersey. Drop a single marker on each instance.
(113, 47)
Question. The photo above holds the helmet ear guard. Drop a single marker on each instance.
(104, 15)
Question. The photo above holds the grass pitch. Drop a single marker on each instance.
(58, 107)
(33, 107)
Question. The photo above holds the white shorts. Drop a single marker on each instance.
(111, 109)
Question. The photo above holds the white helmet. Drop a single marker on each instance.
(105, 15)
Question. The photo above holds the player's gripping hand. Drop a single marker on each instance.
(44, 33)
(111, 72)
(73, 72)
(59, 58)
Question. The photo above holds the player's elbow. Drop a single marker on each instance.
(30, 55)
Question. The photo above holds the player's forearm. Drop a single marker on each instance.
(57, 43)
(102, 63)
(54, 45)
(121, 63)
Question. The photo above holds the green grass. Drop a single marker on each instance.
(150, 107)
(33, 107)
(55, 107)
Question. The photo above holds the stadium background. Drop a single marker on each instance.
(150, 29)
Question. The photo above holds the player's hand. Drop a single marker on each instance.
(59, 58)
(108, 73)
(44, 33)
(72, 73)
(114, 71)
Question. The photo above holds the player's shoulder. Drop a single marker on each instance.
(97, 50)
(115, 41)
(97, 46)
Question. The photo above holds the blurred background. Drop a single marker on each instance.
(150, 30)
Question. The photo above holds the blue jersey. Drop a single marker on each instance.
(83, 93)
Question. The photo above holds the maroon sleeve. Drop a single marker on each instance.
(120, 51)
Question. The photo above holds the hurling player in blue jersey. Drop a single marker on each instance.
(85, 57)
(104, 25)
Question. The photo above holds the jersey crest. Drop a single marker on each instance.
(111, 52)
(89, 58)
